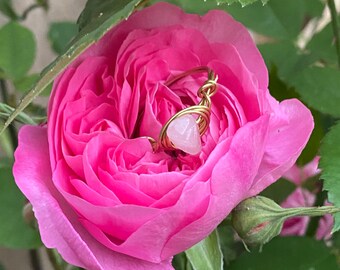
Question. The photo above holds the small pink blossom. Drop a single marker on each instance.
(302, 197)
(102, 198)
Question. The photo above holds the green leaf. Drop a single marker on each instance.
(314, 8)
(97, 12)
(93, 31)
(37, 112)
(195, 6)
(25, 83)
(227, 242)
(207, 254)
(6, 110)
(14, 232)
(7, 9)
(279, 191)
(277, 87)
(242, 2)
(181, 262)
(286, 58)
(336, 245)
(43, 3)
(284, 253)
(17, 50)
(94, 10)
(6, 145)
(319, 88)
(322, 45)
(329, 163)
(60, 34)
(278, 19)
(313, 144)
(281, 91)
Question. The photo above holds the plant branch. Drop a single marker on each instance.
(28, 10)
(4, 96)
(314, 221)
(335, 26)
(55, 260)
(35, 262)
(310, 211)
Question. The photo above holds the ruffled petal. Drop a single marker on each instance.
(58, 223)
(291, 124)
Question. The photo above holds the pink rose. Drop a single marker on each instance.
(302, 197)
(102, 198)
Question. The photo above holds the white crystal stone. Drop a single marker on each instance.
(184, 134)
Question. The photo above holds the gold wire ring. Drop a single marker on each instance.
(202, 109)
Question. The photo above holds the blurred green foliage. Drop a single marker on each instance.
(14, 231)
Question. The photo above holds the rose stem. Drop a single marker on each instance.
(310, 211)
(314, 221)
(5, 99)
(54, 260)
(335, 26)
(28, 10)
(34, 257)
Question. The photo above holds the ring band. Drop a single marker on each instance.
(202, 109)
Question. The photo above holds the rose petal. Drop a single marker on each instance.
(231, 177)
(210, 25)
(58, 224)
(144, 244)
(297, 225)
(290, 126)
(298, 175)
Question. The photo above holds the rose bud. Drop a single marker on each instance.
(257, 220)
(27, 213)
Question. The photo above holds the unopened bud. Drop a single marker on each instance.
(28, 214)
(257, 220)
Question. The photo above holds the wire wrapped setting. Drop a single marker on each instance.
(202, 109)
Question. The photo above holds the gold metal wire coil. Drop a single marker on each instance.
(202, 109)
(202, 121)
